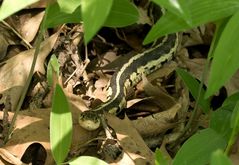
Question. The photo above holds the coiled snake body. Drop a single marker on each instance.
(129, 75)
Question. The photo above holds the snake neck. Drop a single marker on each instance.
(112, 106)
(131, 72)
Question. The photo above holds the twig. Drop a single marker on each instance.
(86, 62)
(25, 89)
(19, 35)
(196, 107)
(24, 92)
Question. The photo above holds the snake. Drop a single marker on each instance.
(129, 75)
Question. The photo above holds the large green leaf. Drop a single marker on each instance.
(221, 119)
(160, 158)
(53, 65)
(235, 119)
(201, 12)
(94, 15)
(198, 148)
(178, 7)
(55, 16)
(219, 158)
(226, 56)
(60, 126)
(193, 86)
(9, 7)
(231, 99)
(122, 13)
(235, 127)
(68, 6)
(87, 160)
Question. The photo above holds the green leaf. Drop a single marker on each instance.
(201, 12)
(234, 126)
(122, 13)
(169, 23)
(231, 99)
(198, 148)
(193, 86)
(52, 65)
(220, 25)
(94, 14)
(68, 6)
(87, 160)
(160, 159)
(9, 7)
(219, 158)
(55, 16)
(178, 7)
(60, 126)
(220, 120)
(235, 118)
(226, 55)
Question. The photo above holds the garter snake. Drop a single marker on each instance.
(129, 75)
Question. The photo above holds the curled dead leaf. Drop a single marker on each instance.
(6, 39)
(135, 151)
(164, 100)
(15, 71)
(30, 27)
(7, 158)
(157, 123)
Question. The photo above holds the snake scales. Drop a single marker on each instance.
(129, 75)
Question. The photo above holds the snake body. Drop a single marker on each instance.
(129, 75)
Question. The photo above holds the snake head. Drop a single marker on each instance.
(89, 120)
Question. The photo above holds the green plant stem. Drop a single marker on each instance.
(25, 89)
(235, 129)
(195, 109)
(205, 70)
(204, 73)
(230, 143)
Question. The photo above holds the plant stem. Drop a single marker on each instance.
(25, 88)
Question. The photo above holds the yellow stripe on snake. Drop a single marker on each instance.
(128, 76)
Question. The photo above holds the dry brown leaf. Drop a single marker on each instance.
(234, 159)
(14, 72)
(233, 85)
(30, 27)
(157, 123)
(195, 37)
(196, 66)
(77, 101)
(33, 126)
(132, 102)
(234, 152)
(6, 39)
(143, 17)
(39, 4)
(114, 62)
(164, 100)
(7, 158)
(164, 71)
(135, 151)
(100, 86)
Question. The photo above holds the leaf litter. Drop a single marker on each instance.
(162, 98)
